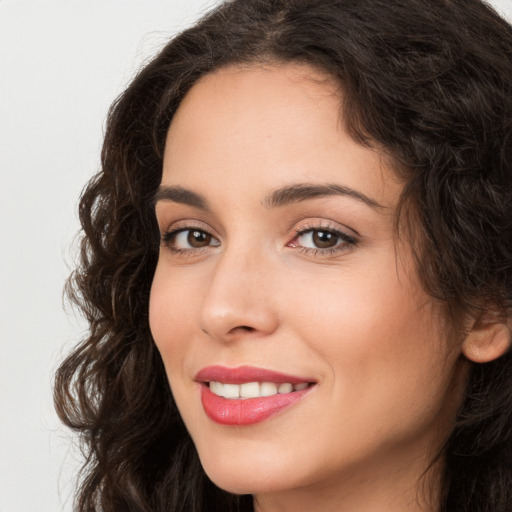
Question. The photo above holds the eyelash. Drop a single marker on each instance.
(344, 241)
(169, 237)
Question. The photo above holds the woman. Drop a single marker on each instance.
(296, 266)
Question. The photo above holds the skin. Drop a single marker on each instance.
(353, 317)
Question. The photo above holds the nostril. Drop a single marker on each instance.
(237, 329)
(245, 328)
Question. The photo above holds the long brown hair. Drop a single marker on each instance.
(430, 81)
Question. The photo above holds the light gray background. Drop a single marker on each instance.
(61, 65)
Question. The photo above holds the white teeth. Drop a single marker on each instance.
(250, 390)
(230, 390)
(216, 387)
(253, 389)
(268, 389)
(285, 388)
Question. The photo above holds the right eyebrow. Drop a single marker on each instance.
(180, 195)
(298, 192)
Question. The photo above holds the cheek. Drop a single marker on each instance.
(169, 315)
(172, 311)
(381, 336)
(358, 311)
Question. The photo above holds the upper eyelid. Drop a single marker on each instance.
(350, 239)
(184, 224)
(297, 228)
(325, 224)
(177, 230)
(168, 214)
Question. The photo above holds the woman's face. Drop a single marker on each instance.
(280, 279)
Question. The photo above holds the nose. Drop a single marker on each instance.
(240, 300)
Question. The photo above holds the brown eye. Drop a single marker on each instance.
(196, 238)
(319, 239)
(189, 239)
(324, 239)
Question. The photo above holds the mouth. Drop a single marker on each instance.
(254, 389)
(247, 395)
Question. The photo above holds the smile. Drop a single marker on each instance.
(254, 389)
(247, 395)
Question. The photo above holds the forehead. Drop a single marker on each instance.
(269, 126)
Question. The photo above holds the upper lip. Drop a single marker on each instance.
(243, 374)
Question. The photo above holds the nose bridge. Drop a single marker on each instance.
(238, 298)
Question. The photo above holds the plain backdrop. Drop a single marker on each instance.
(62, 63)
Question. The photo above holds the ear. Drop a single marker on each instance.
(489, 338)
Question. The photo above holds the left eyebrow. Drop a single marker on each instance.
(180, 195)
(304, 191)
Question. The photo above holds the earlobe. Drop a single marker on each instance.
(487, 341)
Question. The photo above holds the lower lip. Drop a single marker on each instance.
(246, 411)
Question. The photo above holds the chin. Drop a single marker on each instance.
(253, 475)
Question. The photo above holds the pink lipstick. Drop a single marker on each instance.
(246, 395)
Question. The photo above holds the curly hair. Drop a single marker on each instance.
(429, 82)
